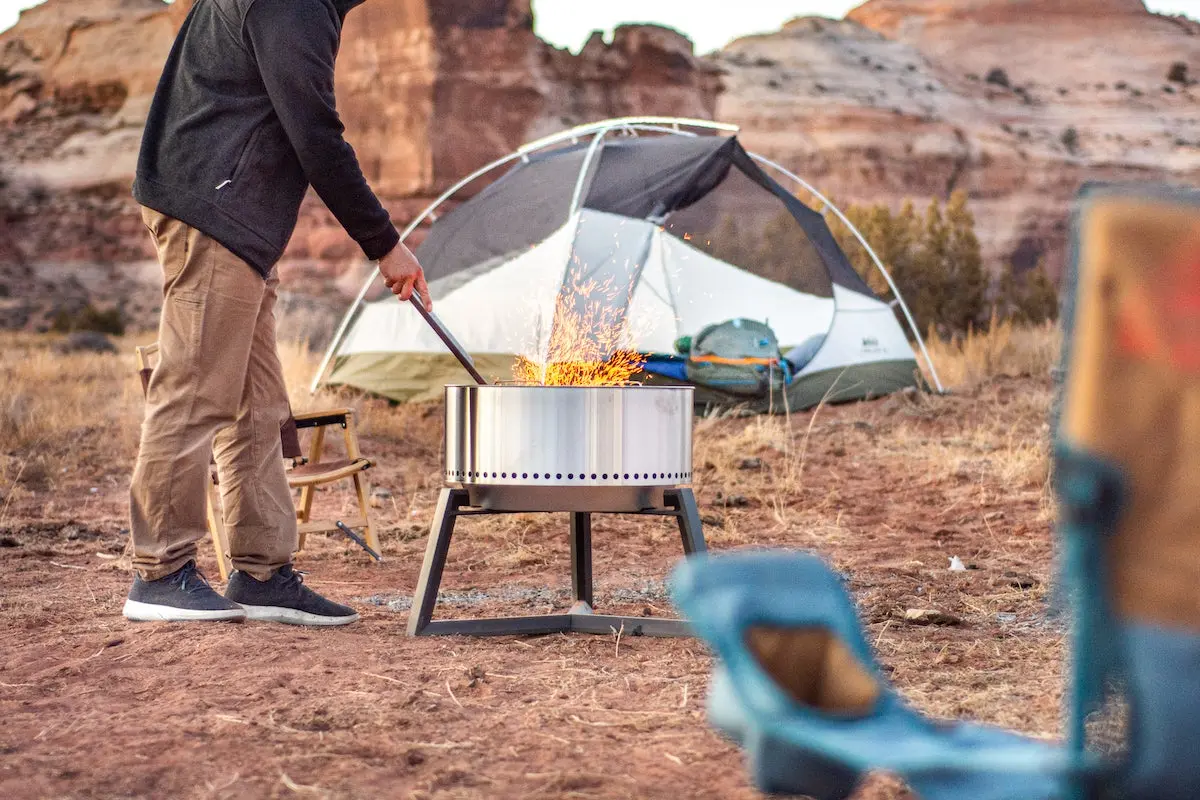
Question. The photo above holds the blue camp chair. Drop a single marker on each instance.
(797, 686)
(796, 683)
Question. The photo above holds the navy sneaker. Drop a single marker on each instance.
(285, 598)
(182, 596)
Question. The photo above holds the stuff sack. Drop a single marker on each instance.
(739, 357)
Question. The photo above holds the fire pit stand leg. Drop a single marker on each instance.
(581, 561)
(688, 516)
(455, 502)
(425, 598)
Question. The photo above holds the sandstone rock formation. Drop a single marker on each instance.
(428, 90)
(1017, 101)
(454, 85)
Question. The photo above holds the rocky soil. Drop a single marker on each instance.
(889, 491)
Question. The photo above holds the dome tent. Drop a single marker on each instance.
(669, 229)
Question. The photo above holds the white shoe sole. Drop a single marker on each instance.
(292, 616)
(138, 611)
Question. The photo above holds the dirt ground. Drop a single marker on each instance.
(94, 706)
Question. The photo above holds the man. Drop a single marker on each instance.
(243, 121)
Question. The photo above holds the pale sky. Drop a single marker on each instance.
(709, 23)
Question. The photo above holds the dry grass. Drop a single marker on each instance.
(61, 414)
(53, 398)
(1003, 350)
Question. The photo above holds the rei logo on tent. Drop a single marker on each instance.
(871, 345)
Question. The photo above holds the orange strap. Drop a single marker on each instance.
(709, 359)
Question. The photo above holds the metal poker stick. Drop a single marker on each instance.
(448, 339)
(463, 358)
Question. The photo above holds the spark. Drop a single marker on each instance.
(589, 340)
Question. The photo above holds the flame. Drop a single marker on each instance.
(589, 341)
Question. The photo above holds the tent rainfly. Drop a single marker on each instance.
(678, 226)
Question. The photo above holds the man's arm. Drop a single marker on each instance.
(295, 43)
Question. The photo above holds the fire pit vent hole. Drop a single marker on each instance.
(453, 474)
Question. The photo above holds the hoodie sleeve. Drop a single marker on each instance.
(295, 43)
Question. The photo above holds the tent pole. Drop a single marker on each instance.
(591, 127)
(912, 325)
(577, 195)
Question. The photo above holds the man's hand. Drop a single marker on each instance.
(402, 274)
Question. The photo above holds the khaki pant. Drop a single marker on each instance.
(218, 390)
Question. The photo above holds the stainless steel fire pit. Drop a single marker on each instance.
(580, 449)
(568, 448)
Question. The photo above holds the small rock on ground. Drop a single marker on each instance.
(930, 616)
(733, 500)
(1019, 580)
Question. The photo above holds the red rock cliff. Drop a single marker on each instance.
(429, 90)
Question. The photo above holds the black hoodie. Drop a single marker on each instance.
(243, 121)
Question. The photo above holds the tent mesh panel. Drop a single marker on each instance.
(743, 224)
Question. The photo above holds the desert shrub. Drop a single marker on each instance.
(89, 318)
(1027, 297)
(1178, 73)
(934, 258)
(998, 77)
(1070, 139)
